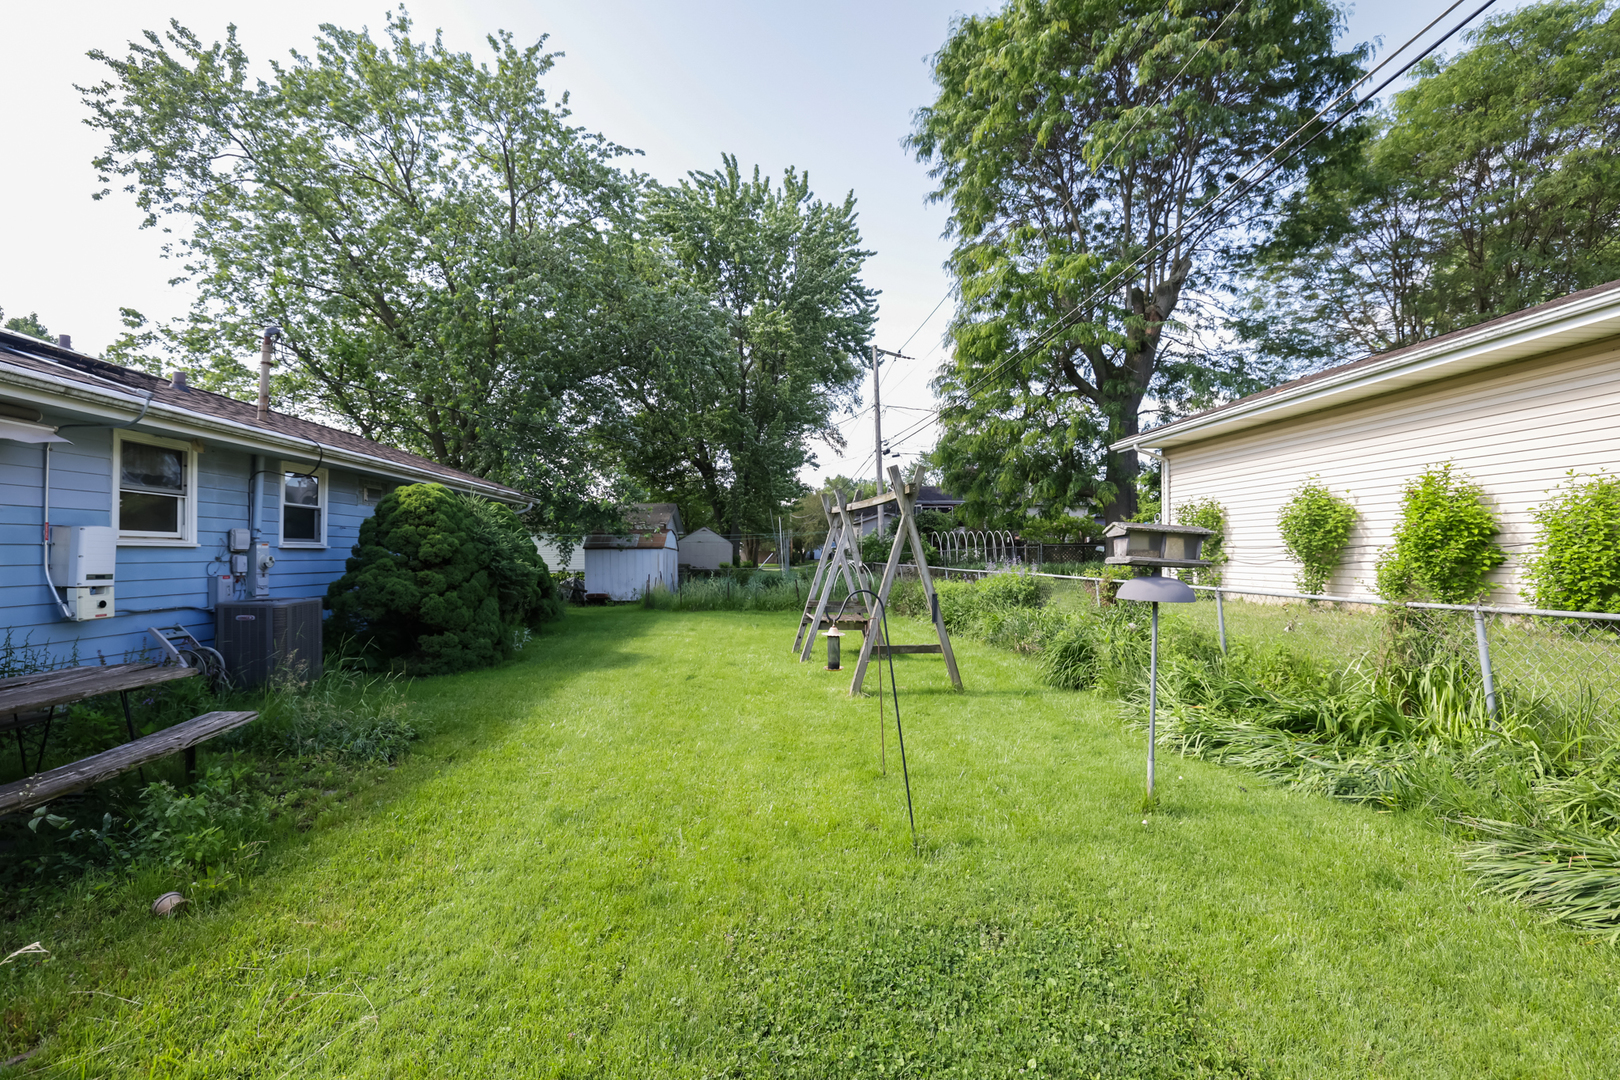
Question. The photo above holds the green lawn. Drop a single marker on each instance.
(659, 845)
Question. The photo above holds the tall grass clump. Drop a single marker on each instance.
(757, 592)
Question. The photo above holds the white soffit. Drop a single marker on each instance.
(1565, 327)
(23, 431)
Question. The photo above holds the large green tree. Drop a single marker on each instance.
(724, 406)
(1080, 145)
(434, 236)
(1492, 184)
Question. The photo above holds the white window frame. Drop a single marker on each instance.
(324, 487)
(188, 502)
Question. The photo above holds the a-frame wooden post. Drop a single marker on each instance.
(842, 548)
(821, 568)
(904, 533)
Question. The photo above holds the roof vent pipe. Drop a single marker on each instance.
(178, 379)
(267, 357)
(64, 341)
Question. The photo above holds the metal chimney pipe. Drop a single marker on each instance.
(64, 341)
(267, 357)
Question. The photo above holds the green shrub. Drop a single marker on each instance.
(1211, 515)
(1576, 566)
(1315, 526)
(442, 582)
(1445, 543)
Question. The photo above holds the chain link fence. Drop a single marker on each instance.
(1567, 662)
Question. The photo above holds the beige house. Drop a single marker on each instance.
(1516, 403)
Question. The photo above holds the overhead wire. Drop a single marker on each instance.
(1207, 212)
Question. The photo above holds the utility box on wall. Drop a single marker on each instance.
(269, 639)
(84, 565)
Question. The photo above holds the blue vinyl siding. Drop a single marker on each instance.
(155, 585)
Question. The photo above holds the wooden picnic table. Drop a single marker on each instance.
(22, 695)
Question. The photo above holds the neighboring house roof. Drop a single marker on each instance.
(665, 515)
(49, 376)
(661, 538)
(1577, 319)
(928, 498)
(705, 535)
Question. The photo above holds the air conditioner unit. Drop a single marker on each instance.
(265, 639)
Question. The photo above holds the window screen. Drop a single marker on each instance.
(301, 509)
(151, 489)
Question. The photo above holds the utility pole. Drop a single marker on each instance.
(877, 430)
(877, 422)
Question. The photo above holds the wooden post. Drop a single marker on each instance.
(840, 563)
(821, 568)
(874, 625)
(928, 591)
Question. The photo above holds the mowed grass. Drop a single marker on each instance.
(659, 845)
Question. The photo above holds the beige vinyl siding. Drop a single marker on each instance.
(1516, 430)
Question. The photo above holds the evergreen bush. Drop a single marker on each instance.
(1576, 566)
(1445, 543)
(441, 582)
(1315, 525)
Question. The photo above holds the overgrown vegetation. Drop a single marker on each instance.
(312, 741)
(1315, 525)
(742, 591)
(1445, 541)
(1403, 725)
(441, 582)
(1576, 564)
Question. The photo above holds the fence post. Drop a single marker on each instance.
(1485, 662)
(1220, 617)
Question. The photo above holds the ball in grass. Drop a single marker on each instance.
(168, 903)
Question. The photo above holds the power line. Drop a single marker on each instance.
(1208, 211)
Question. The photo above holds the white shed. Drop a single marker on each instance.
(624, 566)
(1516, 403)
(705, 550)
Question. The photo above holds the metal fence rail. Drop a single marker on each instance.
(1519, 658)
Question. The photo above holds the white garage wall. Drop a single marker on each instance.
(1517, 430)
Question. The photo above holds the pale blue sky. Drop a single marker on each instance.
(828, 87)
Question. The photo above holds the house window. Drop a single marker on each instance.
(303, 506)
(157, 481)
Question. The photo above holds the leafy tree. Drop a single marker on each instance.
(1315, 525)
(430, 231)
(1576, 565)
(1490, 186)
(442, 582)
(1070, 139)
(28, 324)
(1445, 543)
(728, 424)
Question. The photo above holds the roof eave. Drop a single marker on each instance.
(45, 390)
(1575, 324)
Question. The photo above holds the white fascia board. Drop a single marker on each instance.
(1567, 326)
(120, 407)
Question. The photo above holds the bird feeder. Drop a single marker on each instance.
(834, 637)
(1154, 546)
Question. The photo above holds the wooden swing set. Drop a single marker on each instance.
(840, 559)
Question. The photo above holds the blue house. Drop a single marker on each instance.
(198, 498)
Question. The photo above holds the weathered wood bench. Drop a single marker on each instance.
(41, 788)
(31, 700)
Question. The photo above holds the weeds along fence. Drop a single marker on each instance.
(1513, 661)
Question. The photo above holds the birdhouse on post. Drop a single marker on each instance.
(1152, 545)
